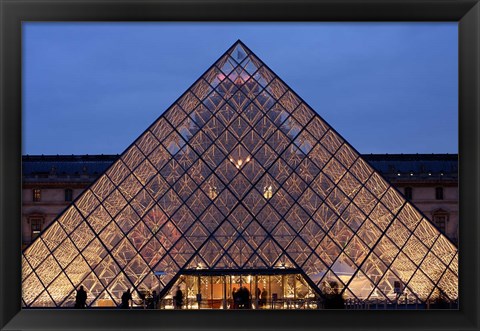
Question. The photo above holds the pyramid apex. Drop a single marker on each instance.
(239, 41)
(239, 46)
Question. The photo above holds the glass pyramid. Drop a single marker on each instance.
(239, 174)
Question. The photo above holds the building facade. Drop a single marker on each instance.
(51, 182)
(430, 181)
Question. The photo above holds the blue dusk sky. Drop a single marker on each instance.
(93, 88)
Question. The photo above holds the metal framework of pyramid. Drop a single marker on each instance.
(239, 173)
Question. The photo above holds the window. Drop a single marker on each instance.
(440, 220)
(36, 227)
(439, 193)
(37, 194)
(408, 193)
(68, 194)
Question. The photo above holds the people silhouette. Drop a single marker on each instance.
(258, 293)
(81, 298)
(244, 297)
(178, 298)
(263, 297)
(151, 300)
(126, 299)
(236, 298)
(155, 299)
(248, 299)
(334, 300)
(241, 297)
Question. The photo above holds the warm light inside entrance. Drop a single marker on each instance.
(267, 192)
(280, 291)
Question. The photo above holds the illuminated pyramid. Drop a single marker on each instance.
(239, 174)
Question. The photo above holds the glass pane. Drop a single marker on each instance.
(303, 114)
(254, 234)
(82, 236)
(427, 233)
(60, 288)
(99, 218)
(296, 217)
(289, 101)
(147, 143)
(53, 236)
(175, 115)
(226, 234)
(159, 157)
(421, 285)
(139, 235)
(361, 170)
(403, 267)
(87, 203)
(433, 267)
(48, 270)
(161, 129)
(190, 100)
(331, 141)
(144, 172)
(130, 187)
(152, 252)
(281, 201)
(102, 187)
(132, 157)
(70, 219)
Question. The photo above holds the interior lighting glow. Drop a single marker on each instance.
(267, 192)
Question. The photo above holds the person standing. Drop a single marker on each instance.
(258, 293)
(81, 298)
(245, 297)
(155, 299)
(126, 299)
(263, 297)
(334, 299)
(178, 298)
(241, 297)
(235, 298)
(248, 298)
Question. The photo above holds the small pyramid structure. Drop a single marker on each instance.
(239, 173)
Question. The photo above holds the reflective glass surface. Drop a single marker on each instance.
(240, 173)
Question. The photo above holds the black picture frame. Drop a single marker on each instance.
(14, 12)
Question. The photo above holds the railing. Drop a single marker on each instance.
(413, 304)
(306, 303)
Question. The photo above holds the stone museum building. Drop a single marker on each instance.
(240, 186)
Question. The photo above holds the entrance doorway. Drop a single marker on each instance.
(287, 289)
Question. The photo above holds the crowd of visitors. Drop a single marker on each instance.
(241, 298)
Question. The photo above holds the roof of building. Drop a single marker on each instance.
(414, 163)
(387, 164)
(66, 165)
